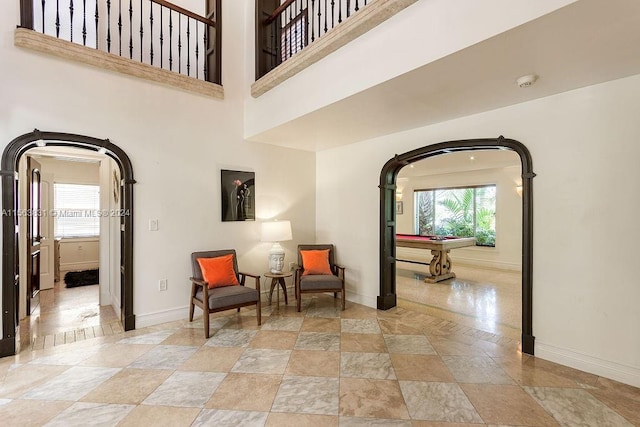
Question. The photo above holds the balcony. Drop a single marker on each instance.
(150, 39)
(291, 35)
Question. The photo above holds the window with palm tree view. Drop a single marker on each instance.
(461, 212)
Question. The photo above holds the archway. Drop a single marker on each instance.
(10, 278)
(387, 298)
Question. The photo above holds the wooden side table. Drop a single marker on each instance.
(278, 279)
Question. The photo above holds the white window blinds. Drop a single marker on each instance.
(76, 209)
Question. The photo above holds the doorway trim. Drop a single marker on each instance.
(388, 298)
(9, 176)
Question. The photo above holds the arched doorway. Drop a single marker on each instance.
(387, 298)
(10, 278)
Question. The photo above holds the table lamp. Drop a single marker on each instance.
(276, 232)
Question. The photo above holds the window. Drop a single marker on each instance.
(294, 35)
(462, 212)
(76, 209)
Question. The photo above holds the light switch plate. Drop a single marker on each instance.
(153, 225)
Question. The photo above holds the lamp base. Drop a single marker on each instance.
(276, 258)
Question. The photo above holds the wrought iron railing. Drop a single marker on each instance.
(153, 32)
(286, 27)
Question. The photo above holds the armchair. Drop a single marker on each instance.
(223, 292)
(318, 278)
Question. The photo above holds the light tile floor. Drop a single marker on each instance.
(66, 315)
(321, 367)
(483, 298)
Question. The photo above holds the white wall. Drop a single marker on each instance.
(177, 142)
(77, 254)
(71, 172)
(451, 25)
(507, 254)
(585, 272)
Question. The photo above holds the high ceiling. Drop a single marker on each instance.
(585, 43)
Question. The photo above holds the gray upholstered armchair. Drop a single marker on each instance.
(308, 280)
(227, 293)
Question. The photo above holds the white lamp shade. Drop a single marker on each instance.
(276, 231)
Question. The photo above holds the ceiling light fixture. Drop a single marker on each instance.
(526, 81)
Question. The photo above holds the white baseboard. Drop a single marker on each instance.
(79, 266)
(604, 368)
(159, 317)
(116, 304)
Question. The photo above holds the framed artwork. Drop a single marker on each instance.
(238, 195)
(399, 208)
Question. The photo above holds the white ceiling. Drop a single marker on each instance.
(585, 43)
(461, 161)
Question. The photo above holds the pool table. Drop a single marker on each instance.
(440, 265)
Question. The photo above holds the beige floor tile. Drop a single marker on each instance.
(213, 359)
(129, 386)
(301, 420)
(420, 423)
(30, 412)
(448, 347)
(320, 324)
(26, 377)
(117, 355)
(356, 311)
(368, 343)
(398, 327)
(245, 392)
(566, 372)
(526, 375)
(186, 336)
(160, 416)
(622, 398)
(284, 340)
(314, 363)
(507, 405)
(420, 367)
(371, 398)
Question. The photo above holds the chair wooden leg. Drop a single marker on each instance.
(259, 313)
(205, 317)
(343, 297)
(192, 307)
(299, 301)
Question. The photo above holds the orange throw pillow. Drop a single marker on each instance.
(316, 262)
(218, 271)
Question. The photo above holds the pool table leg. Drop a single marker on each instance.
(440, 267)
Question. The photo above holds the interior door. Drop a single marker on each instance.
(47, 269)
(34, 211)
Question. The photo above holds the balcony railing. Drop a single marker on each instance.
(153, 32)
(286, 27)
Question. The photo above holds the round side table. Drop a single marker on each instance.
(278, 279)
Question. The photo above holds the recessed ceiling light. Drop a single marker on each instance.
(471, 158)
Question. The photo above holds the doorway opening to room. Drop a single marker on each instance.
(471, 189)
(67, 208)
